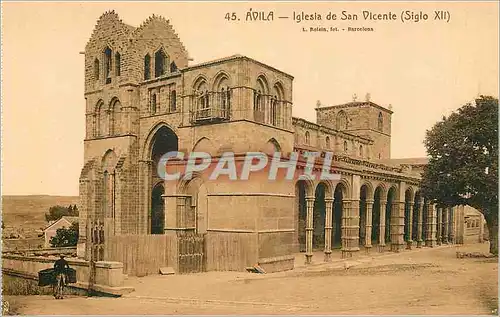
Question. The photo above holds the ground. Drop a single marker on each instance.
(421, 281)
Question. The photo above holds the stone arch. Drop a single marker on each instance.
(307, 138)
(221, 80)
(200, 83)
(204, 144)
(115, 123)
(109, 160)
(157, 215)
(321, 192)
(148, 143)
(161, 61)
(100, 119)
(392, 196)
(379, 196)
(408, 214)
(272, 146)
(147, 67)
(304, 188)
(262, 84)
(342, 121)
(341, 192)
(415, 218)
(279, 91)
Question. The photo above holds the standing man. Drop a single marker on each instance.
(59, 267)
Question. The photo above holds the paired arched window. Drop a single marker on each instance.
(380, 125)
(115, 113)
(147, 67)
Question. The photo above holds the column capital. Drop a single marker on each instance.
(310, 198)
(328, 200)
(370, 201)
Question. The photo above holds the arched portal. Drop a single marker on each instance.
(408, 215)
(376, 216)
(338, 199)
(388, 214)
(300, 203)
(319, 214)
(362, 214)
(164, 140)
(416, 206)
(157, 209)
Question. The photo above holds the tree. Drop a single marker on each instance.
(57, 212)
(463, 164)
(65, 237)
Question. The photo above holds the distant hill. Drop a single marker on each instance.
(28, 212)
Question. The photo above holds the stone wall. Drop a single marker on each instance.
(108, 278)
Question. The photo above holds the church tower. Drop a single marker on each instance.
(363, 118)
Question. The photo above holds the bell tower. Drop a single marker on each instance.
(363, 118)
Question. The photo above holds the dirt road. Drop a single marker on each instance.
(423, 281)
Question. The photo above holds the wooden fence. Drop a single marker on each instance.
(143, 254)
(230, 251)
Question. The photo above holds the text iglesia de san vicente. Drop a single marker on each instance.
(144, 99)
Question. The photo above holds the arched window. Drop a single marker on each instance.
(222, 94)
(101, 120)
(107, 65)
(308, 138)
(342, 122)
(173, 101)
(96, 69)
(379, 156)
(345, 146)
(153, 103)
(173, 67)
(115, 113)
(361, 150)
(161, 63)
(380, 121)
(147, 67)
(117, 64)
(274, 111)
(327, 142)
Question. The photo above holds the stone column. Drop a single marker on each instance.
(144, 223)
(439, 230)
(368, 225)
(309, 228)
(382, 226)
(431, 225)
(452, 225)
(409, 242)
(328, 229)
(420, 213)
(446, 227)
(350, 228)
(397, 226)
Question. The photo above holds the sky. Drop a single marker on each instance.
(424, 70)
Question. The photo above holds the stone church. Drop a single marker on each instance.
(144, 99)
